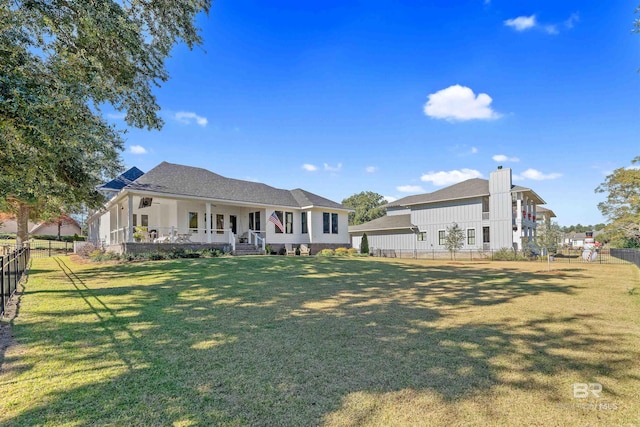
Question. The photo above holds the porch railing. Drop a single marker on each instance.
(256, 239)
(155, 234)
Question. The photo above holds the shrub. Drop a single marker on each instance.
(282, 251)
(342, 251)
(213, 253)
(157, 256)
(86, 250)
(176, 253)
(364, 244)
(97, 256)
(352, 251)
(506, 254)
(326, 252)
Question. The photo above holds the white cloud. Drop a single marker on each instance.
(330, 168)
(571, 21)
(309, 167)
(116, 116)
(137, 149)
(459, 103)
(521, 23)
(410, 189)
(503, 158)
(188, 117)
(474, 150)
(371, 169)
(450, 177)
(536, 175)
(390, 199)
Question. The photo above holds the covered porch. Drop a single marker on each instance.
(150, 219)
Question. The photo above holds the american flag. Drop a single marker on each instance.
(274, 219)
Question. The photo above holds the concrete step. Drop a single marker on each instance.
(247, 249)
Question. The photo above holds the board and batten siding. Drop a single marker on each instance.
(500, 206)
(397, 240)
(435, 217)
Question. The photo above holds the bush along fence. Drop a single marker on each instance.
(629, 255)
(12, 268)
(569, 256)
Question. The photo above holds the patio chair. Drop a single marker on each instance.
(304, 250)
(290, 250)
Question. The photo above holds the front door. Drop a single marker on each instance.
(234, 223)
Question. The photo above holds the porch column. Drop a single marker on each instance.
(207, 221)
(117, 239)
(129, 235)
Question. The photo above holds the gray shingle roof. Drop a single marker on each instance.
(475, 187)
(170, 178)
(387, 222)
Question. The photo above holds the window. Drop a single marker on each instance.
(144, 220)
(421, 236)
(280, 216)
(251, 221)
(485, 235)
(485, 204)
(304, 228)
(257, 224)
(442, 237)
(471, 236)
(220, 224)
(288, 223)
(135, 220)
(193, 222)
(329, 223)
(326, 222)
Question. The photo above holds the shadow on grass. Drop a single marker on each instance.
(282, 341)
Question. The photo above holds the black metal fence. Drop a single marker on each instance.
(568, 256)
(629, 255)
(12, 267)
(42, 248)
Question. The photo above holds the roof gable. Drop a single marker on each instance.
(170, 178)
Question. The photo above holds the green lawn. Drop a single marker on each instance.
(332, 341)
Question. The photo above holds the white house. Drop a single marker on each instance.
(187, 205)
(493, 214)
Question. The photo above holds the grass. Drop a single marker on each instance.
(331, 341)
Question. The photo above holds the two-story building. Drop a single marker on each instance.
(493, 214)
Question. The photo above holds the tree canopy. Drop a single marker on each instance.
(367, 206)
(622, 205)
(60, 63)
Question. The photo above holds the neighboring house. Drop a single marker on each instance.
(68, 226)
(493, 213)
(577, 240)
(9, 224)
(63, 225)
(184, 204)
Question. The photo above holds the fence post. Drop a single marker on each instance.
(49, 247)
(2, 283)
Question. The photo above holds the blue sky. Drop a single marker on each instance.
(404, 97)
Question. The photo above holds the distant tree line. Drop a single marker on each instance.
(579, 228)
